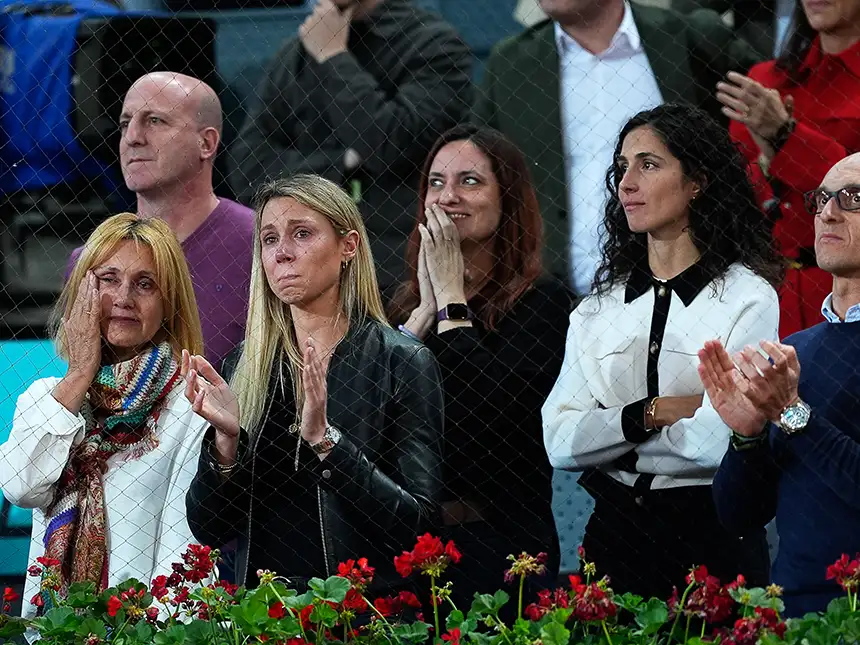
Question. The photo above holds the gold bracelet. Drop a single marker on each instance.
(650, 411)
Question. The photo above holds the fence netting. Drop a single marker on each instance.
(281, 91)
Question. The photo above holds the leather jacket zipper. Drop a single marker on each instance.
(322, 531)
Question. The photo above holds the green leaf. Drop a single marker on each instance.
(331, 590)
(81, 595)
(198, 632)
(57, 621)
(173, 635)
(412, 633)
(485, 604)
(554, 634)
(652, 616)
(143, 631)
(91, 625)
(455, 619)
(324, 614)
(628, 601)
(11, 627)
(299, 602)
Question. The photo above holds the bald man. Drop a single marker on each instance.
(795, 419)
(171, 128)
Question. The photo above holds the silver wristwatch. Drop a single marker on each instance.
(794, 418)
(329, 441)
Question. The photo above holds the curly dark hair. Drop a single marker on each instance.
(726, 225)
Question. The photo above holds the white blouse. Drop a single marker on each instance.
(606, 367)
(145, 498)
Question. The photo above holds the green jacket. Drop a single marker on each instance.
(520, 89)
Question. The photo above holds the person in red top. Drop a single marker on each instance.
(794, 118)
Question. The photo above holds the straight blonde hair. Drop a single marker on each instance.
(270, 333)
(181, 327)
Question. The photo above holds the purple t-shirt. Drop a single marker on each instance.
(219, 256)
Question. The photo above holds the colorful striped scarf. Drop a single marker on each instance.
(121, 415)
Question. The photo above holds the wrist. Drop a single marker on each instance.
(323, 56)
(226, 448)
(450, 297)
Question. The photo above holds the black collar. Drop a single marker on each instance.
(687, 285)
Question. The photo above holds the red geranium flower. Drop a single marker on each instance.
(429, 556)
(594, 604)
(10, 595)
(305, 617)
(199, 562)
(453, 636)
(354, 601)
(227, 586)
(158, 589)
(45, 561)
(845, 571)
(358, 573)
(409, 599)
(453, 552)
(114, 604)
(547, 601)
(37, 600)
(404, 564)
(277, 611)
(152, 615)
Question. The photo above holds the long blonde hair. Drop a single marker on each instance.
(270, 333)
(181, 327)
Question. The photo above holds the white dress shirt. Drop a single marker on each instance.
(597, 94)
(147, 529)
(595, 412)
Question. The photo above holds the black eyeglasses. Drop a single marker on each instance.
(848, 199)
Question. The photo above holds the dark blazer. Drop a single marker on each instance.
(520, 90)
(377, 489)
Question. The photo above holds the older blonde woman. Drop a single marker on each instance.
(105, 454)
(325, 446)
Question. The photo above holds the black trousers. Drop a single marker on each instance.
(648, 541)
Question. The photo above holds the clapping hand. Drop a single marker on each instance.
(210, 395)
(749, 389)
(749, 102)
(315, 389)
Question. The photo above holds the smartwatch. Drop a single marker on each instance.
(455, 311)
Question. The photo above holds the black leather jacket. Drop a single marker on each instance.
(385, 396)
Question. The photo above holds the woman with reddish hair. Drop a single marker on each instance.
(478, 298)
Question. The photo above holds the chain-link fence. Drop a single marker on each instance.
(358, 93)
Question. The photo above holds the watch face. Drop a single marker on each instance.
(457, 311)
(795, 416)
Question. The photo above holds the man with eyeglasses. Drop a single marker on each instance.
(795, 448)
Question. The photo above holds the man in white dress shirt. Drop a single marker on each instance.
(562, 89)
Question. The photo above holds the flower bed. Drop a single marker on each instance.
(185, 607)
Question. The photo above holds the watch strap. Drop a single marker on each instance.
(449, 312)
(328, 442)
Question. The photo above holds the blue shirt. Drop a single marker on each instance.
(852, 315)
